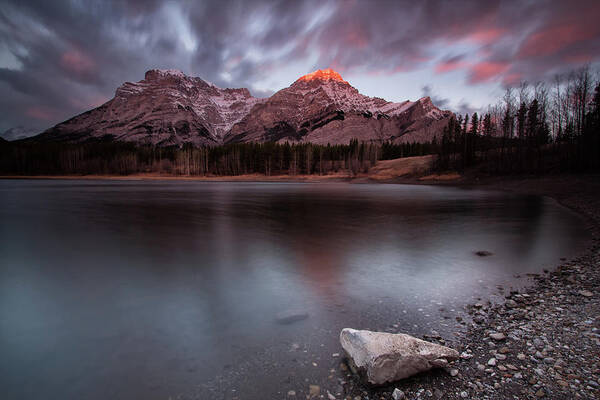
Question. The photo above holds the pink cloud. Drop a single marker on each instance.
(41, 113)
(580, 58)
(483, 30)
(550, 40)
(233, 61)
(487, 70)
(351, 34)
(98, 100)
(485, 35)
(77, 62)
(338, 66)
(356, 36)
(418, 58)
(92, 101)
(402, 68)
(512, 79)
(450, 65)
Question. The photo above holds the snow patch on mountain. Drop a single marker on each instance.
(168, 107)
(18, 132)
(346, 97)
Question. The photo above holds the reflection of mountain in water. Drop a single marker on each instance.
(129, 277)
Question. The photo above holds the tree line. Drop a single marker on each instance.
(532, 129)
(118, 158)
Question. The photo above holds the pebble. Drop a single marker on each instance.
(398, 394)
(497, 336)
(540, 343)
(511, 303)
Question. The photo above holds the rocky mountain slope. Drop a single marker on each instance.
(18, 133)
(170, 108)
(323, 108)
(166, 108)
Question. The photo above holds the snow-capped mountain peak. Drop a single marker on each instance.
(321, 107)
(343, 95)
(168, 107)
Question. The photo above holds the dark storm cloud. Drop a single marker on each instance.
(59, 58)
(511, 40)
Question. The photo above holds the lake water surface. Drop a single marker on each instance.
(162, 289)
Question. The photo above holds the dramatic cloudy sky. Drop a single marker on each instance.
(59, 58)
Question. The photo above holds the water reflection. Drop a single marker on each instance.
(136, 289)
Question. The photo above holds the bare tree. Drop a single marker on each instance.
(524, 93)
(508, 123)
(557, 102)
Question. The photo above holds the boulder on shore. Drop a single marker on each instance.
(380, 357)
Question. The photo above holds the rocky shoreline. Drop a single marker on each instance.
(541, 342)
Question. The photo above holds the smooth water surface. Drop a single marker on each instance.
(157, 290)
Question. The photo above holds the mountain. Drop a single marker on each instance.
(166, 108)
(18, 133)
(170, 108)
(323, 108)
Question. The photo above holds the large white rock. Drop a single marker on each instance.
(381, 357)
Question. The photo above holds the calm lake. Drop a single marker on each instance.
(163, 289)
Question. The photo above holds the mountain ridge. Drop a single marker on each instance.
(18, 133)
(168, 107)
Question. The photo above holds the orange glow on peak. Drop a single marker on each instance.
(323, 74)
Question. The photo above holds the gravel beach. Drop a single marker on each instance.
(542, 341)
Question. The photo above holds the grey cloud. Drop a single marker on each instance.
(440, 102)
(465, 108)
(75, 53)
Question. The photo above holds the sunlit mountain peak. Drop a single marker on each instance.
(324, 75)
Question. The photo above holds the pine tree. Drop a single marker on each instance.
(507, 122)
(521, 120)
(487, 125)
(533, 120)
(591, 135)
(474, 124)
